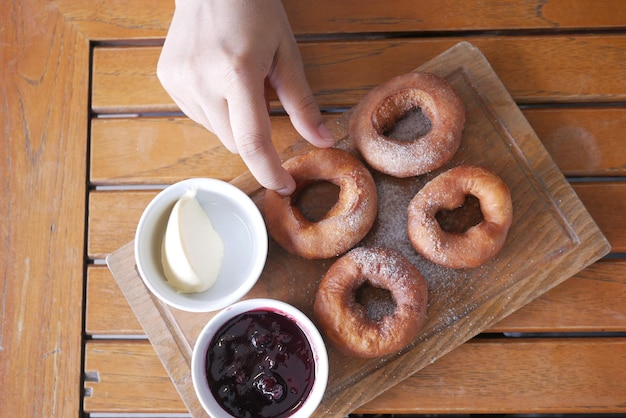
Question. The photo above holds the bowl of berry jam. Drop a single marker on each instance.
(259, 358)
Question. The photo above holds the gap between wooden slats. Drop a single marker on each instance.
(559, 375)
(535, 69)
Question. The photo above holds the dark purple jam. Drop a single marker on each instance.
(260, 364)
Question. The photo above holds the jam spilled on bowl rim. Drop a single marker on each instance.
(260, 364)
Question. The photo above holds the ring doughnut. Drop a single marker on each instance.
(387, 104)
(346, 322)
(345, 224)
(447, 191)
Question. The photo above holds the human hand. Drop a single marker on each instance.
(215, 63)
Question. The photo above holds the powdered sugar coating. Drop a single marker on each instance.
(371, 126)
(448, 190)
(346, 322)
(345, 224)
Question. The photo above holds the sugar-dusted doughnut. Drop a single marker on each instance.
(345, 224)
(447, 191)
(346, 322)
(387, 104)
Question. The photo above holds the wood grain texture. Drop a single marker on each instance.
(592, 300)
(110, 227)
(566, 375)
(522, 376)
(407, 16)
(103, 235)
(107, 312)
(583, 141)
(135, 151)
(43, 120)
(552, 228)
(609, 212)
(44, 49)
(166, 150)
(534, 69)
(127, 376)
(149, 19)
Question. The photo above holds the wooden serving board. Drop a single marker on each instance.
(552, 238)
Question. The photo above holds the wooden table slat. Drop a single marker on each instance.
(482, 376)
(591, 300)
(110, 20)
(107, 312)
(540, 376)
(535, 69)
(157, 150)
(450, 15)
(110, 227)
(44, 81)
(127, 376)
(583, 141)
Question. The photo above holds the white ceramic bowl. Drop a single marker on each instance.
(236, 219)
(198, 359)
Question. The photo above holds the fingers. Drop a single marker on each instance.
(213, 115)
(217, 113)
(216, 77)
(294, 93)
(240, 120)
(251, 131)
(208, 110)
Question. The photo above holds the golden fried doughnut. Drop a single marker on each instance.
(447, 191)
(384, 106)
(346, 322)
(345, 224)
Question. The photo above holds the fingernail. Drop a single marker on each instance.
(285, 191)
(326, 134)
(288, 189)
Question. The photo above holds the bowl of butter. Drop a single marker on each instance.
(200, 245)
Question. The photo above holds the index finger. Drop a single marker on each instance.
(251, 129)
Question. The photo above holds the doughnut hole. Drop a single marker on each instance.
(400, 116)
(462, 218)
(315, 199)
(377, 302)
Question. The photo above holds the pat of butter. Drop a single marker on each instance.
(192, 251)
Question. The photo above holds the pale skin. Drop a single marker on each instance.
(217, 60)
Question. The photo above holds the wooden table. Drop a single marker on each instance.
(89, 135)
